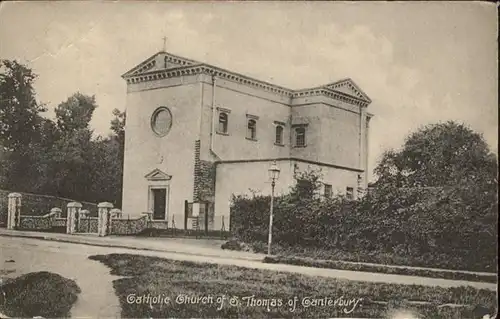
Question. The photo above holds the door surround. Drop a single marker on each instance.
(158, 180)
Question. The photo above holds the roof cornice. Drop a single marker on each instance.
(135, 76)
(151, 62)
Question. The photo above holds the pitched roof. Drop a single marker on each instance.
(151, 64)
(348, 86)
(164, 61)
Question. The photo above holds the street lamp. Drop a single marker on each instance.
(274, 174)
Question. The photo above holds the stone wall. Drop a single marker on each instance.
(128, 226)
(35, 222)
(158, 224)
(204, 178)
(59, 222)
(88, 225)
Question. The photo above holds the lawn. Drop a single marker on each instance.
(333, 264)
(42, 294)
(162, 288)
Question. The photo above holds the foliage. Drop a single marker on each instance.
(19, 111)
(75, 113)
(446, 222)
(42, 294)
(21, 126)
(342, 265)
(62, 157)
(437, 155)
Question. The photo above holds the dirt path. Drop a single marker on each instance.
(97, 298)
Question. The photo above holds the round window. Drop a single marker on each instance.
(161, 121)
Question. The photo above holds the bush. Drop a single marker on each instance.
(234, 244)
(42, 294)
(443, 227)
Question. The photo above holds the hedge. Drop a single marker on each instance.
(447, 227)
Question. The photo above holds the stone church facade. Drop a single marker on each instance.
(196, 134)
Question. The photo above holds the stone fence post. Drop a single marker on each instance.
(14, 210)
(73, 215)
(116, 213)
(104, 218)
(56, 211)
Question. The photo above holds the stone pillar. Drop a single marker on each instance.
(116, 213)
(56, 211)
(104, 220)
(73, 214)
(14, 210)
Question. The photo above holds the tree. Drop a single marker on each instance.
(21, 126)
(118, 124)
(19, 110)
(118, 128)
(75, 113)
(444, 154)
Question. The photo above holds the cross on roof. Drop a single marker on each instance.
(164, 44)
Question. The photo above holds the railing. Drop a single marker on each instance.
(195, 228)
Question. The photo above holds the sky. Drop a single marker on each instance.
(420, 62)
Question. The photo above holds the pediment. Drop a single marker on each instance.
(347, 86)
(158, 175)
(159, 61)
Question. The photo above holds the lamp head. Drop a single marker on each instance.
(274, 171)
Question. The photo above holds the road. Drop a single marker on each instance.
(97, 299)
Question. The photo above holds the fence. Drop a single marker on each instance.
(39, 205)
(192, 227)
(110, 221)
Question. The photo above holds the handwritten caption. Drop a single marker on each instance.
(221, 301)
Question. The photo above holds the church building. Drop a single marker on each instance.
(196, 134)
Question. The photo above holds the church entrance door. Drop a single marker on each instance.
(159, 203)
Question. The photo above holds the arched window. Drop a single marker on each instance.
(223, 118)
(279, 135)
(300, 136)
(252, 129)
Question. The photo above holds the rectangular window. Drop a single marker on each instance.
(349, 193)
(328, 191)
(279, 135)
(252, 127)
(252, 130)
(223, 121)
(300, 136)
(223, 124)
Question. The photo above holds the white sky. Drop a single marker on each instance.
(420, 62)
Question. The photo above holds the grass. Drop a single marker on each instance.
(152, 276)
(42, 294)
(456, 261)
(333, 264)
(189, 233)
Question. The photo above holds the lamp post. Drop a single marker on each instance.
(274, 174)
